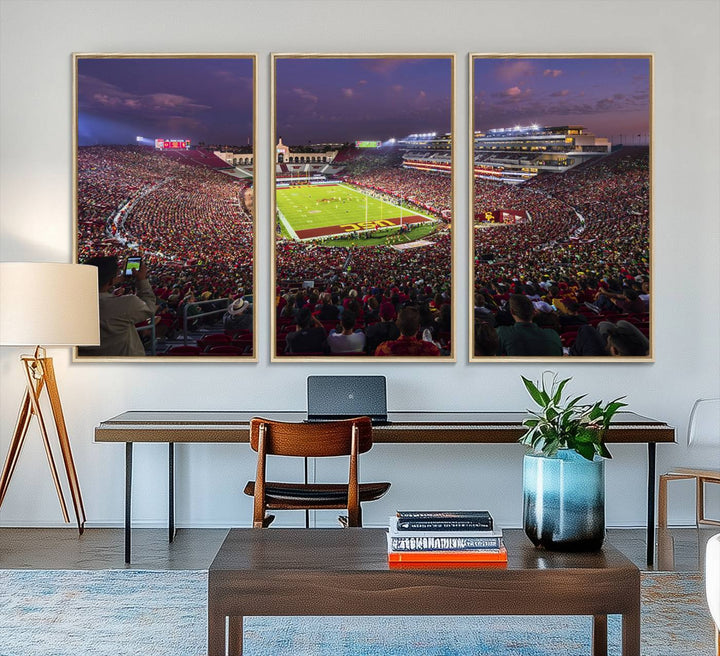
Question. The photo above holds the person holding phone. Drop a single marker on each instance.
(119, 314)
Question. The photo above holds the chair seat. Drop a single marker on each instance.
(298, 495)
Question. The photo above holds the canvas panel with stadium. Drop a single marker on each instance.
(363, 206)
(164, 202)
(561, 206)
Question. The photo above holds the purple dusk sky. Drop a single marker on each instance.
(609, 96)
(208, 100)
(347, 99)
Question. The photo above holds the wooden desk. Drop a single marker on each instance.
(345, 572)
(207, 426)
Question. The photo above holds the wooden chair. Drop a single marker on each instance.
(349, 437)
(703, 429)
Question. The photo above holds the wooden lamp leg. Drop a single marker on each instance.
(15, 444)
(39, 374)
(64, 440)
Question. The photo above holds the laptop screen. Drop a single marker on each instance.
(341, 397)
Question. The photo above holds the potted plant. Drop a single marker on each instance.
(564, 468)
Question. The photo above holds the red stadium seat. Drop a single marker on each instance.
(184, 350)
(224, 350)
(568, 337)
(216, 339)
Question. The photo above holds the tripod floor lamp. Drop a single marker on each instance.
(46, 304)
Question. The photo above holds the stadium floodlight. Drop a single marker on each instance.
(535, 127)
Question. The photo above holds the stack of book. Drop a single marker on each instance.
(445, 538)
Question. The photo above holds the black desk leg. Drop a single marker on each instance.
(171, 491)
(307, 512)
(651, 505)
(128, 497)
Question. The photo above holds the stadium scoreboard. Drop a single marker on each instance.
(508, 217)
(172, 144)
(368, 144)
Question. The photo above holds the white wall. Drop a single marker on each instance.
(38, 38)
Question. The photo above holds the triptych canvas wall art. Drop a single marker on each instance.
(363, 173)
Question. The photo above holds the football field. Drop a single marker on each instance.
(310, 212)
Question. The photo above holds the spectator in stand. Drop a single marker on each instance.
(486, 339)
(630, 302)
(644, 294)
(309, 335)
(383, 331)
(238, 316)
(408, 344)
(572, 316)
(349, 340)
(119, 314)
(548, 320)
(482, 312)
(624, 339)
(589, 342)
(326, 310)
(372, 311)
(443, 320)
(525, 337)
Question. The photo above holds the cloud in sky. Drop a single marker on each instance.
(95, 93)
(346, 98)
(304, 94)
(511, 70)
(202, 99)
(607, 95)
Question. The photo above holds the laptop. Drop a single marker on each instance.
(330, 398)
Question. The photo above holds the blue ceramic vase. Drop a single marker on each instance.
(564, 501)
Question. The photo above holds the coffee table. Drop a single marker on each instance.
(276, 572)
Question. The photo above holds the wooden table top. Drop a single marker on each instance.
(213, 426)
(365, 550)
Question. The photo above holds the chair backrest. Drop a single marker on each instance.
(313, 439)
(704, 423)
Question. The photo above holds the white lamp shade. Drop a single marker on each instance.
(48, 304)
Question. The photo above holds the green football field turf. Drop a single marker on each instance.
(307, 208)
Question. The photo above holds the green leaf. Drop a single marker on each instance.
(585, 436)
(558, 393)
(595, 412)
(587, 451)
(534, 392)
(610, 410)
(577, 399)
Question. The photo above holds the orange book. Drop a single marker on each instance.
(450, 557)
(448, 565)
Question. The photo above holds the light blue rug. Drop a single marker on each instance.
(134, 612)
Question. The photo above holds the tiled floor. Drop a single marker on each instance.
(680, 549)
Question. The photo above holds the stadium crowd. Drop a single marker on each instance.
(191, 224)
(372, 284)
(428, 191)
(582, 257)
